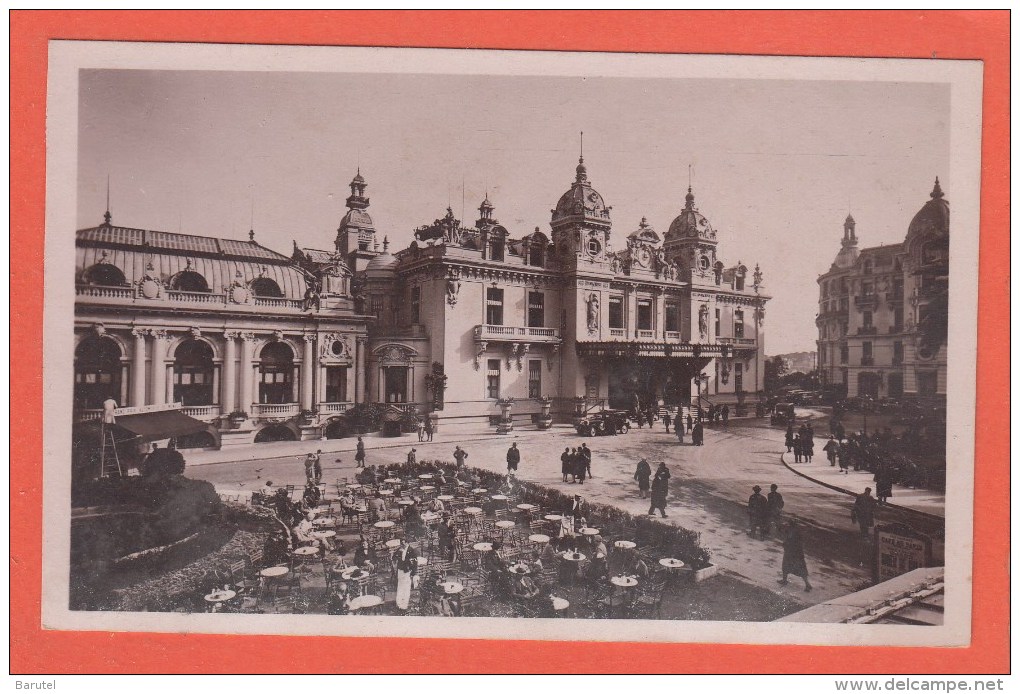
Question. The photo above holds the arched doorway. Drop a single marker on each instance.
(201, 439)
(276, 374)
(868, 384)
(193, 373)
(275, 432)
(337, 428)
(97, 373)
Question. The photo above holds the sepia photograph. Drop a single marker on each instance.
(510, 345)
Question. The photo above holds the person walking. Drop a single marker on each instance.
(513, 459)
(565, 463)
(666, 420)
(698, 435)
(429, 429)
(690, 422)
(310, 468)
(726, 415)
(660, 490)
(643, 474)
(757, 509)
(793, 556)
(883, 483)
(774, 509)
(831, 449)
(405, 564)
(798, 448)
(863, 512)
(460, 455)
(421, 429)
(807, 447)
(845, 454)
(679, 431)
(412, 457)
(586, 457)
(790, 438)
(579, 468)
(359, 456)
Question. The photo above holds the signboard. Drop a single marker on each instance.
(899, 549)
(147, 408)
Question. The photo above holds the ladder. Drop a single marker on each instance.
(109, 460)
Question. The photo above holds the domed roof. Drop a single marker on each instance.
(581, 203)
(357, 219)
(933, 217)
(384, 265)
(645, 233)
(690, 223)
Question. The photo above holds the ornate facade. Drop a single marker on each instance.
(262, 346)
(882, 311)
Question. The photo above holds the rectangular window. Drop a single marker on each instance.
(898, 319)
(336, 383)
(867, 356)
(867, 288)
(897, 353)
(718, 323)
(644, 314)
(494, 306)
(897, 286)
(416, 304)
(672, 316)
(738, 377)
(492, 379)
(738, 323)
(496, 250)
(534, 378)
(616, 312)
(844, 354)
(396, 383)
(867, 319)
(536, 310)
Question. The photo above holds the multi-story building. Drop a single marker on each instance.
(261, 346)
(882, 311)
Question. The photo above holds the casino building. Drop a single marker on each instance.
(466, 324)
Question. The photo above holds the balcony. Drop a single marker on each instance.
(97, 292)
(87, 415)
(867, 330)
(646, 334)
(267, 411)
(868, 301)
(333, 407)
(867, 361)
(278, 302)
(745, 341)
(511, 333)
(175, 296)
(672, 335)
(204, 413)
(617, 332)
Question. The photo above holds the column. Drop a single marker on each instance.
(159, 382)
(307, 373)
(247, 346)
(138, 369)
(361, 373)
(660, 313)
(228, 383)
(632, 311)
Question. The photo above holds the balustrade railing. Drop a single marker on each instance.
(646, 334)
(104, 292)
(202, 411)
(515, 332)
(289, 409)
(617, 332)
(333, 407)
(195, 297)
(278, 302)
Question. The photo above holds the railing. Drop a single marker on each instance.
(88, 415)
(104, 292)
(617, 332)
(289, 409)
(194, 297)
(868, 330)
(646, 334)
(279, 302)
(514, 332)
(736, 340)
(333, 407)
(866, 300)
(202, 411)
(672, 334)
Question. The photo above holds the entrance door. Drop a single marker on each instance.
(868, 384)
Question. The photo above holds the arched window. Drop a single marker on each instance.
(189, 281)
(276, 381)
(868, 266)
(274, 432)
(97, 373)
(263, 286)
(104, 275)
(193, 373)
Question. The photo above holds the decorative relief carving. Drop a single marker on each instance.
(479, 352)
(703, 322)
(593, 313)
(453, 287)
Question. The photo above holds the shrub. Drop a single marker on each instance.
(163, 461)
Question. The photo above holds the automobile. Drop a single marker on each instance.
(603, 422)
(783, 413)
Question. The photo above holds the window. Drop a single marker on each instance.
(494, 306)
(97, 373)
(396, 383)
(897, 287)
(867, 356)
(496, 249)
(867, 319)
(105, 275)
(898, 319)
(738, 377)
(492, 379)
(718, 323)
(263, 286)
(276, 373)
(740, 281)
(672, 316)
(927, 383)
(867, 289)
(616, 312)
(536, 310)
(897, 353)
(868, 265)
(193, 374)
(189, 281)
(536, 251)
(416, 304)
(844, 353)
(644, 314)
(336, 383)
(534, 378)
(738, 323)
(895, 385)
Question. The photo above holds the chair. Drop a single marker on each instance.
(650, 595)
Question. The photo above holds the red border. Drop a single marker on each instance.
(908, 34)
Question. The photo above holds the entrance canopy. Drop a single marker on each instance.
(652, 349)
(149, 425)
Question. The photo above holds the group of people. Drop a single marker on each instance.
(801, 442)
(764, 512)
(575, 463)
(425, 429)
(659, 485)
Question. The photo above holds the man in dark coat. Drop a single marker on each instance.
(831, 449)
(513, 459)
(698, 435)
(793, 556)
(565, 463)
(666, 420)
(460, 455)
(585, 453)
(726, 415)
(791, 438)
(690, 423)
(883, 483)
(863, 512)
(579, 468)
(757, 512)
(774, 508)
(359, 456)
(660, 490)
(643, 474)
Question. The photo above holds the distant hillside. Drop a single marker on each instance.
(798, 361)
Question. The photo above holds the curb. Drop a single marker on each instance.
(899, 507)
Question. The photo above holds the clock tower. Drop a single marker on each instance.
(691, 242)
(581, 225)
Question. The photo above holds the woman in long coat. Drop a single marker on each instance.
(793, 556)
(660, 490)
(698, 435)
(790, 438)
(580, 468)
(565, 463)
(643, 474)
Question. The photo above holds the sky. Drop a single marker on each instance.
(775, 164)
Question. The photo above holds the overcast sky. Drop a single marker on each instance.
(776, 164)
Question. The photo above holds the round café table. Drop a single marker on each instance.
(392, 480)
(499, 497)
(383, 524)
(623, 581)
(323, 522)
(553, 517)
(425, 476)
(505, 524)
(452, 587)
(405, 502)
(353, 572)
(589, 531)
(427, 488)
(354, 487)
(274, 571)
(560, 604)
(472, 510)
(445, 497)
(539, 538)
(386, 492)
(365, 602)
(220, 596)
(323, 534)
(479, 490)
(624, 544)
(526, 507)
(483, 546)
(306, 551)
(670, 563)
(520, 569)
(392, 544)
(573, 556)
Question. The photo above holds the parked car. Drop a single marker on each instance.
(784, 413)
(603, 422)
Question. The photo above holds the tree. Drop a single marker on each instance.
(775, 369)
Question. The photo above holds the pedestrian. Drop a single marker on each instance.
(586, 457)
(359, 456)
(317, 466)
(844, 458)
(460, 455)
(310, 468)
(405, 564)
(863, 512)
(643, 474)
(883, 483)
(429, 429)
(579, 467)
(421, 429)
(726, 415)
(757, 506)
(690, 422)
(698, 435)
(565, 463)
(412, 457)
(640, 418)
(790, 438)
(774, 508)
(513, 459)
(793, 556)
(660, 490)
(666, 420)
(807, 447)
(679, 431)
(831, 449)
(798, 448)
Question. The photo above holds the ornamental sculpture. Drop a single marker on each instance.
(593, 313)
(452, 287)
(703, 322)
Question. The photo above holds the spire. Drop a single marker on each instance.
(357, 199)
(849, 231)
(582, 170)
(108, 218)
(689, 198)
(936, 192)
(385, 244)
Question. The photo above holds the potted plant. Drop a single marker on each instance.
(506, 422)
(435, 383)
(308, 416)
(237, 417)
(545, 418)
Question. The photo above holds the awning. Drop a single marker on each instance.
(152, 426)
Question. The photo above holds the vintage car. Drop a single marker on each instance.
(603, 422)
(783, 413)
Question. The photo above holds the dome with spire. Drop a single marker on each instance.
(933, 217)
(382, 266)
(690, 223)
(645, 233)
(582, 203)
